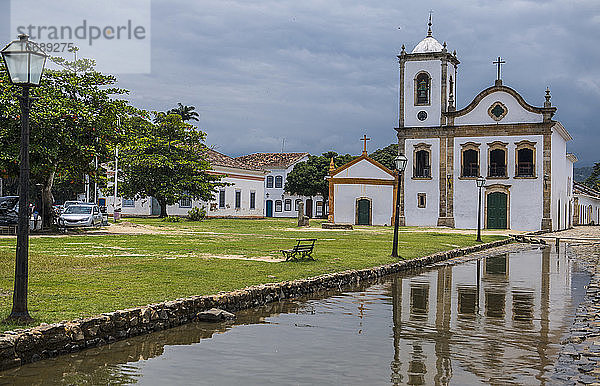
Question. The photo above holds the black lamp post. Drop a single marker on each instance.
(480, 184)
(25, 63)
(400, 161)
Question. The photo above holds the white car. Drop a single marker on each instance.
(81, 215)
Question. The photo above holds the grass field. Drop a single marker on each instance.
(86, 274)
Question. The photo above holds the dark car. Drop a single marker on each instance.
(8, 210)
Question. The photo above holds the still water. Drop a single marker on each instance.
(497, 320)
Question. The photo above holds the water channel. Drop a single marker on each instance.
(495, 320)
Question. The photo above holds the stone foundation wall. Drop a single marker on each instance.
(49, 340)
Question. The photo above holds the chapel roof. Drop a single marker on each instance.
(219, 159)
(271, 160)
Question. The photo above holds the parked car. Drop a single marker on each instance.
(9, 213)
(80, 215)
(9, 210)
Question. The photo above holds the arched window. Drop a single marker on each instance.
(422, 88)
(279, 182)
(269, 181)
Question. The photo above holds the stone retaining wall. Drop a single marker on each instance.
(49, 340)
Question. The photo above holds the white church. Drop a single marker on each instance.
(517, 147)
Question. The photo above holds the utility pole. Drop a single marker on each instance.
(116, 172)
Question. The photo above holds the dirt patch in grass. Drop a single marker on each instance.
(269, 259)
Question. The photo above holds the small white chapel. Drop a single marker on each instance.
(517, 147)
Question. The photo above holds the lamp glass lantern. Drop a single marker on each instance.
(25, 62)
(480, 182)
(401, 162)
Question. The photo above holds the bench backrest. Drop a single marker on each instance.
(305, 244)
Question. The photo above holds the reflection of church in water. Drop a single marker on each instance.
(471, 322)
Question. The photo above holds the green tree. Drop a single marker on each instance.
(386, 155)
(72, 122)
(308, 178)
(167, 161)
(593, 181)
(186, 113)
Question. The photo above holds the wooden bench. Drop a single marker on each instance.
(302, 250)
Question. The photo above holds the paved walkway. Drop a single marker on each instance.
(579, 359)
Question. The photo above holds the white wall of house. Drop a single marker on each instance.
(243, 181)
(284, 204)
(589, 209)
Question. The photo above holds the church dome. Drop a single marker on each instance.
(429, 44)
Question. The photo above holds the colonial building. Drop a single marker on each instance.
(516, 146)
(242, 197)
(277, 202)
(362, 192)
(587, 205)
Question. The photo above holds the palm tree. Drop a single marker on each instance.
(187, 113)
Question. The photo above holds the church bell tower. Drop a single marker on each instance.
(427, 83)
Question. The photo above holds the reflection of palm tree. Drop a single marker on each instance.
(187, 113)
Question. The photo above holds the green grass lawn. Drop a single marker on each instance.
(83, 274)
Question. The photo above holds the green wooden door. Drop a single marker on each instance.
(364, 212)
(496, 211)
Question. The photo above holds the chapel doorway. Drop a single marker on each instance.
(364, 212)
(497, 210)
(309, 205)
(269, 208)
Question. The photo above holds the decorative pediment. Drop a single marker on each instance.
(363, 167)
(499, 104)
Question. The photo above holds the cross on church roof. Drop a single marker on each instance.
(499, 62)
(365, 139)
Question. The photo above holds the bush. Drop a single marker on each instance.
(197, 214)
(171, 219)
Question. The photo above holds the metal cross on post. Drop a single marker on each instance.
(499, 62)
(365, 139)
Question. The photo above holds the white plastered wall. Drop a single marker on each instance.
(559, 182)
(428, 216)
(525, 203)
(411, 69)
(346, 195)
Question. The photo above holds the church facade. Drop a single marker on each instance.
(517, 147)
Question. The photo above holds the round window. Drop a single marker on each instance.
(422, 115)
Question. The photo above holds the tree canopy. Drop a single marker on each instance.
(386, 156)
(72, 122)
(165, 160)
(593, 181)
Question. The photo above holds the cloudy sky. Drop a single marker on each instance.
(320, 74)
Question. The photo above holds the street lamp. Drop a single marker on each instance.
(480, 183)
(400, 162)
(25, 63)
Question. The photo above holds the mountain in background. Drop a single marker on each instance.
(580, 174)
